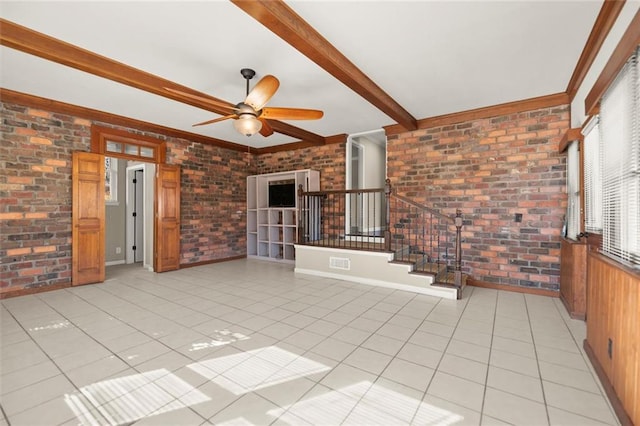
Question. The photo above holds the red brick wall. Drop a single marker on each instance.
(492, 169)
(213, 200)
(35, 196)
(329, 160)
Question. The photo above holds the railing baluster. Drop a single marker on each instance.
(409, 229)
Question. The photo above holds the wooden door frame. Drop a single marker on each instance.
(100, 136)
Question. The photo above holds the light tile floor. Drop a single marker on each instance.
(249, 343)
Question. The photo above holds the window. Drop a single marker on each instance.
(592, 177)
(130, 146)
(111, 180)
(573, 191)
(620, 148)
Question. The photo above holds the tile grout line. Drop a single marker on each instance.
(535, 348)
(486, 379)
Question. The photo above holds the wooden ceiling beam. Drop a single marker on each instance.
(35, 43)
(288, 25)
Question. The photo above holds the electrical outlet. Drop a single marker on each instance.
(118, 250)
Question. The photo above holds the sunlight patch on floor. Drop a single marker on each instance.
(252, 370)
(378, 406)
(130, 398)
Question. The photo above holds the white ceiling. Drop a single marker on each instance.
(432, 57)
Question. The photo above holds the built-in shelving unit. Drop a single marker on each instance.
(272, 230)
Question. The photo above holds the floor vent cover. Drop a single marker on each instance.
(340, 263)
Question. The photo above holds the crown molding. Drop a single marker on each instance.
(485, 112)
(627, 44)
(604, 22)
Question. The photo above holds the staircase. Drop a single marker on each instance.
(419, 251)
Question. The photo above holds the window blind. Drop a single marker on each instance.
(592, 177)
(573, 191)
(620, 143)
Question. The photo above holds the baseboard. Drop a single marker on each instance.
(567, 306)
(208, 262)
(618, 408)
(115, 262)
(516, 289)
(7, 293)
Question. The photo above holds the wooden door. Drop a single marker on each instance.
(167, 223)
(88, 217)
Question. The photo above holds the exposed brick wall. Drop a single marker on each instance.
(213, 200)
(35, 196)
(492, 169)
(329, 160)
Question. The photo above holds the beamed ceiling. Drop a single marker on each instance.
(366, 64)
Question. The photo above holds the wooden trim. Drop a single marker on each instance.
(296, 132)
(485, 112)
(604, 22)
(341, 138)
(616, 404)
(31, 101)
(569, 136)
(209, 262)
(513, 288)
(100, 135)
(572, 315)
(38, 44)
(8, 292)
(627, 44)
(632, 272)
(284, 22)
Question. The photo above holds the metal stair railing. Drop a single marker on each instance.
(380, 220)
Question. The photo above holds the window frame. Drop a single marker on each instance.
(102, 136)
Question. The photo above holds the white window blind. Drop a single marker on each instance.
(592, 177)
(620, 139)
(573, 191)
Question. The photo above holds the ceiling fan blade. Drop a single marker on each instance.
(215, 120)
(291, 114)
(262, 92)
(219, 104)
(266, 129)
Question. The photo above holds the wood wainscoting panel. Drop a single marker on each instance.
(573, 277)
(613, 328)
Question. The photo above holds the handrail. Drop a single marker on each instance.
(423, 207)
(343, 191)
(380, 220)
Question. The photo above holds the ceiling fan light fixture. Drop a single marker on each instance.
(247, 124)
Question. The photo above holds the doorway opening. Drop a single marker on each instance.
(366, 166)
(129, 210)
(139, 214)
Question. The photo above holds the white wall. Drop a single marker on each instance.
(622, 23)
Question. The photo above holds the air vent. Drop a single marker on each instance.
(340, 263)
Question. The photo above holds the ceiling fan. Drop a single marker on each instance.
(251, 114)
